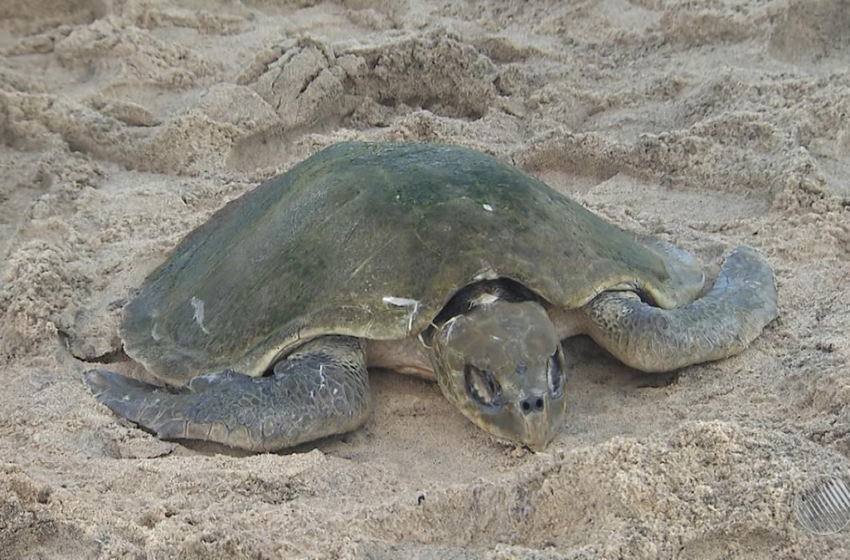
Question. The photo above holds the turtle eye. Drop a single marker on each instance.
(556, 376)
(482, 387)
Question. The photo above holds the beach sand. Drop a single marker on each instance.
(708, 123)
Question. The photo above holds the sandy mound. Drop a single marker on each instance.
(710, 124)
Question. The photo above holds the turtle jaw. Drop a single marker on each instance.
(503, 367)
(534, 430)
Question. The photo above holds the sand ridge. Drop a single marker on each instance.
(123, 125)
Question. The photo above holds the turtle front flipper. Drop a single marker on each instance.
(320, 390)
(720, 324)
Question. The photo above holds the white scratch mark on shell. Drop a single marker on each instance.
(198, 306)
(404, 302)
(486, 272)
(484, 299)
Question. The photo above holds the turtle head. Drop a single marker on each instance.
(502, 365)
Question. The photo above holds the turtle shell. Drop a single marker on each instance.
(372, 240)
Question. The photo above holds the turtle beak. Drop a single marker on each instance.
(539, 435)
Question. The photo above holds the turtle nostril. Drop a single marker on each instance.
(532, 404)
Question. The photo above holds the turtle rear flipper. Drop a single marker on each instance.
(322, 389)
(719, 324)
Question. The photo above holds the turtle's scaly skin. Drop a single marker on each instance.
(366, 242)
(720, 324)
(322, 389)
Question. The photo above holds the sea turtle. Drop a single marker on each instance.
(427, 259)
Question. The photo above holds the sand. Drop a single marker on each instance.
(709, 123)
